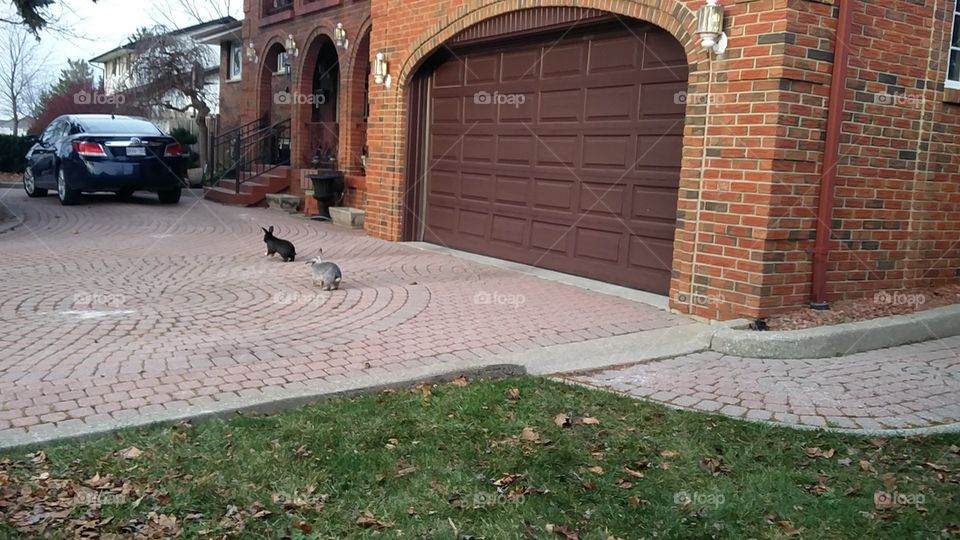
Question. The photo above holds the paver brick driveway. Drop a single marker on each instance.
(114, 310)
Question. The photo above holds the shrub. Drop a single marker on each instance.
(13, 149)
(183, 136)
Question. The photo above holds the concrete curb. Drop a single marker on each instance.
(594, 354)
(841, 339)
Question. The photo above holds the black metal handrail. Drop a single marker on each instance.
(222, 157)
(257, 153)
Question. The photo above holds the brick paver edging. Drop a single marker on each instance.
(840, 339)
(904, 432)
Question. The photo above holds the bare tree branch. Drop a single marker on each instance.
(23, 70)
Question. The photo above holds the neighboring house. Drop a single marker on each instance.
(118, 71)
(6, 126)
(601, 139)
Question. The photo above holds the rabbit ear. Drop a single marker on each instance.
(271, 229)
(264, 230)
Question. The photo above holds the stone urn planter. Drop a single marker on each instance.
(347, 217)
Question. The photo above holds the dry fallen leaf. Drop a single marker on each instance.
(816, 452)
(460, 381)
(588, 420)
(623, 484)
(514, 393)
(669, 453)
(131, 453)
(865, 466)
(596, 469)
(788, 528)
(561, 420)
(367, 521)
(529, 435)
(633, 473)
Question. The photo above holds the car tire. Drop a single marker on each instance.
(67, 196)
(169, 196)
(30, 185)
(124, 193)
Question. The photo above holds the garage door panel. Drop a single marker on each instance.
(659, 151)
(654, 203)
(563, 61)
(515, 150)
(599, 245)
(606, 152)
(614, 55)
(519, 65)
(481, 69)
(478, 187)
(581, 177)
(479, 149)
(554, 194)
(510, 230)
(550, 236)
(448, 74)
(511, 190)
(614, 103)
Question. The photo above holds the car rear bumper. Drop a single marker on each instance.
(153, 174)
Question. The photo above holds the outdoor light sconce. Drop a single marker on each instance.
(291, 46)
(252, 56)
(710, 27)
(381, 73)
(340, 37)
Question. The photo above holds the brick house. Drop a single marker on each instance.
(599, 138)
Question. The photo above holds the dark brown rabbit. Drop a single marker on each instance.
(276, 245)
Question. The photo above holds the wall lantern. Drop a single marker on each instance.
(252, 56)
(710, 27)
(340, 37)
(291, 46)
(381, 73)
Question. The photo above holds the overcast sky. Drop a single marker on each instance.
(107, 24)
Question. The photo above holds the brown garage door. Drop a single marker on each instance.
(561, 154)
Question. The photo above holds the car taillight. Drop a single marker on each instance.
(89, 149)
(173, 150)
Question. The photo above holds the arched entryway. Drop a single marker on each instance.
(319, 103)
(275, 85)
(552, 146)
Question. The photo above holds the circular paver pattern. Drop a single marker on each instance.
(113, 310)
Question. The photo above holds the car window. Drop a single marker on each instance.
(114, 126)
(51, 133)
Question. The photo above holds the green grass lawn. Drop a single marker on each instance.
(484, 460)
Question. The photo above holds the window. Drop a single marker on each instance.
(953, 62)
(236, 61)
(282, 65)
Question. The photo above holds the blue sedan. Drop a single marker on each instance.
(96, 152)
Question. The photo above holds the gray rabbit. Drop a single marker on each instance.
(276, 245)
(327, 273)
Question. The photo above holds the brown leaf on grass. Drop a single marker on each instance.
(39, 457)
(507, 479)
(563, 531)
(586, 420)
(714, 466)
(889, 481)
(564, 420)
(304, 527)
(423, 389)
(951, 530)
(635, 501)
(130, 453)
(937, 467)
(623, 484)
(368, 521)
(788, 528)
(257, 510)
(669, 453)
(561, 420)
(460, 381)
(633, 473)
(405, 471)
(866, 466)
(529, 435)
(815, 452)
(845, 462)
(514, 393)
(391, 444)
(588, 486)
(879, 443)
(596, 469)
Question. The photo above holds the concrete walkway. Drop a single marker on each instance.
(900, 389)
